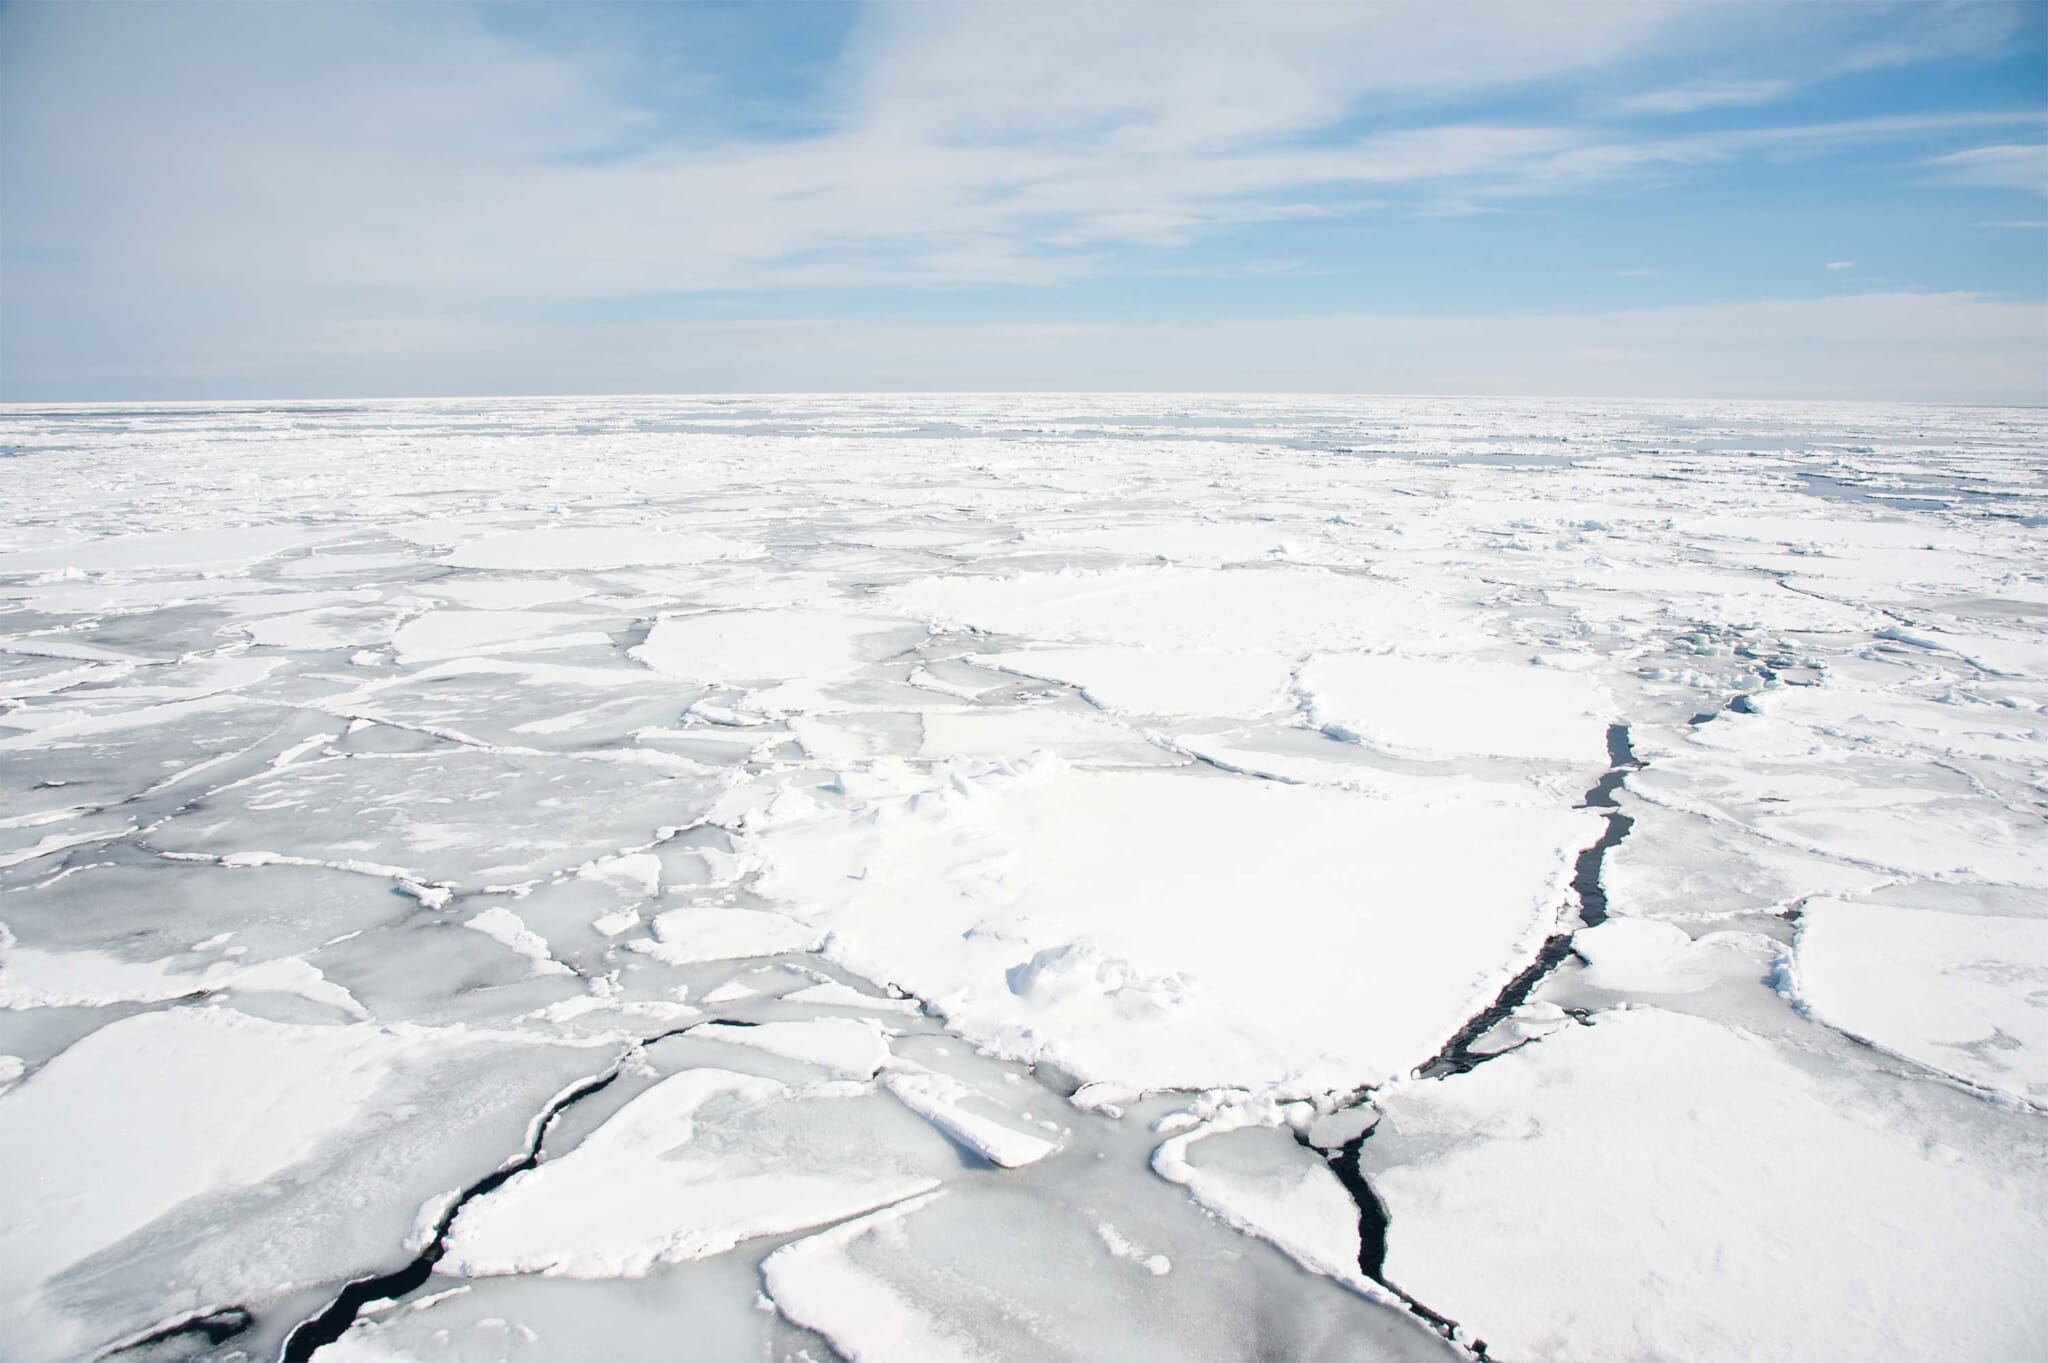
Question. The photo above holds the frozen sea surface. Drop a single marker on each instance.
(1023, 878)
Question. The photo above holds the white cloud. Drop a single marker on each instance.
(181, 177)
(1689, 99)
(414, 149)
(2006, 166)
(1841, 265)
(411, 147)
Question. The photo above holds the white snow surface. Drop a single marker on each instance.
(688, 936)
(750, 645)
(310, 1082)
(1156, 681)
(1173, 931)
(1657, 1186)
(1962, 993)
(1012, 822)
(1449, 707)
(555, 548)
(690, 1168)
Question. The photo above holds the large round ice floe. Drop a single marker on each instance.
(1175, 929)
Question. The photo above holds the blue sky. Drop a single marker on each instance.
(1682, 199)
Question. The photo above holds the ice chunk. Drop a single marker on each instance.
(500, 924)
(635, 872)
(832, 994)
(1139, 927)
(1658, 1186)
(34, 978)
(755, 644)
(990, 1270)
(456, 634)
(849, 1046)
(815, 1285)
(698, 1163)
(943, 1101)
(1963, 993)
(96, 1182)
(687, 936)
(452, 815)
(1437, 707)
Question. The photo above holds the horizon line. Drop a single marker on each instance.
(1154, 393)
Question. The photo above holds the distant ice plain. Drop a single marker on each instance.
(956, 877)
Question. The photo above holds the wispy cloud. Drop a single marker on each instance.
(1690, 99)
(2006, 166)
(1841, 265)
(351, 147)
(316, 161)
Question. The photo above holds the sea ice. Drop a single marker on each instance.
(1658, 1186)
(750, 645)
(118, 1229)
(703, 1160)
(554, 549)
(1440, 707)
(1135, 927)
(1154, 681)
(456, 633)
(688, 936)
(744, 814)
(1966, 994)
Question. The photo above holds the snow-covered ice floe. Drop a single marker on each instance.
(1013, 878)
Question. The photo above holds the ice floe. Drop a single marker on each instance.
(1660, 1186)
(696, 1164)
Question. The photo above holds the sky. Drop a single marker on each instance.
(1812, 200)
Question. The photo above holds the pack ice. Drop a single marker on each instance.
(1023, 878)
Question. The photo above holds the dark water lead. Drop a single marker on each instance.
(1457, 1055)
(333, 1322)
(1372, 1238)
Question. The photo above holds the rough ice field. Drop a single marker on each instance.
(1023, 878)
